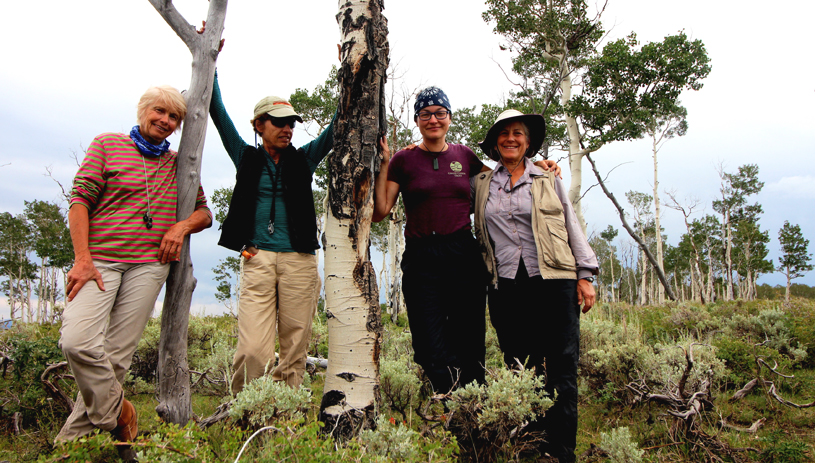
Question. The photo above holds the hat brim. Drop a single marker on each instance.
(537, 133)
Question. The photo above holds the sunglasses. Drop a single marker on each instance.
(281, 122)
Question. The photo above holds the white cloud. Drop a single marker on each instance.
(798, 187)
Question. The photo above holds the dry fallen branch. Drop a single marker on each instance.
(777, 397)
(221, 413)
(53, 388)
(770, 385)
(752, 429)
(773, 368)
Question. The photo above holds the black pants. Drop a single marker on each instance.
(538, 322)
(445, 294)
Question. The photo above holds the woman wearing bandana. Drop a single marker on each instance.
(444, 278)
(123, 226)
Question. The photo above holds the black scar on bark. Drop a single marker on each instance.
(350, 377)
(331, 398)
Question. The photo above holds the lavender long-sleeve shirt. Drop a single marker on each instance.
(509, 222)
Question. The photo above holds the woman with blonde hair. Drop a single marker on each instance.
(124, 231)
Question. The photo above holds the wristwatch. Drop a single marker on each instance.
(589, 279)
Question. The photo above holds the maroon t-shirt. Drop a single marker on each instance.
(436, 201)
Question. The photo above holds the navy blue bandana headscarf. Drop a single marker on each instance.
(147, 148)
(431, 96)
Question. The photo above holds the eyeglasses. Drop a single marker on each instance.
(440, 115)
(281, 122)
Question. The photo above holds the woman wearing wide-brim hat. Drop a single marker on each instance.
(443, 274)
(541, 268)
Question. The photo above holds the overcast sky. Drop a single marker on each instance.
(72, 70)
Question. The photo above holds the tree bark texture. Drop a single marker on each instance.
(351, 393)
(668, 291)
(173, 371)
(396, 244)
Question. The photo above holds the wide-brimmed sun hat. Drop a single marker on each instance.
(276, 107)
(534, 122)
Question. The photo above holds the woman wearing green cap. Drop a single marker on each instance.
(272, 223)
(532, 245)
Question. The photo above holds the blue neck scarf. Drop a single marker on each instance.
(147, 148)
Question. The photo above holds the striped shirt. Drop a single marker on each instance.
(111, 183)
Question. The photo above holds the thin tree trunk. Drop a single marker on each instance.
(643, 246)
(789, 283)
(660, 263)
(396, 243)
(173, 371)
(575, 153)
(613, 298)
(351, 391)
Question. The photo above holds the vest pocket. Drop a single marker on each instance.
(553, 237)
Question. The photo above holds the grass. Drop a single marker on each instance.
(786, 436)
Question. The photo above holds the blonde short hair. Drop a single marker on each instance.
(163, 95)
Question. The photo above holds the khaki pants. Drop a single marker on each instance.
(100, 332)
(277, 295)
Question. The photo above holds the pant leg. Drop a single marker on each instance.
(562, 349)
(444, 289)
(422, 288)
(257, 319)
(517, 313)
(100, 332)
(129, 316)
(465, 298)
(297, 283)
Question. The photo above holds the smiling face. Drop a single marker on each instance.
(275, 139)
(434, 129)
(512, 142)
(158, 123)
(160, 112)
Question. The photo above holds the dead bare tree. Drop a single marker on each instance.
(664, 280)
(173, 372)
(686, 212)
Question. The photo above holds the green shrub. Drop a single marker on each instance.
(399, 384)
(611, 353)
(264, 401)
(32, 348)
(620, 447)
(485, 417)
(771, 326)
(781, 450)
(391, 440)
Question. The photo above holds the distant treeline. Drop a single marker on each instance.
(765, 291)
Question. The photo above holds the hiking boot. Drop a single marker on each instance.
(127, 426)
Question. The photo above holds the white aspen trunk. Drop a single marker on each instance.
(42, 290)
(611, 255)
(710, 290)
(575, 153)
(728, 260)
(660, 289)
(644, 269)
(351, 391)
(692, 283)
(383, 274)
(396, 245)
(28, 300)
(789, 283)
(173, 370)
(12, 296)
